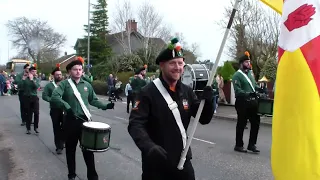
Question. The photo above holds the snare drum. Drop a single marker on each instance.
(265, 106)
(95, 136)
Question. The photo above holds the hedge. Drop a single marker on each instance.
(100, 86)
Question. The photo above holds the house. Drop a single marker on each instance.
(63, 61)
(122, 42)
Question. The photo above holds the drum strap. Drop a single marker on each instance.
(247, 78)
(55, 85)
(173, 106)
(78, 96)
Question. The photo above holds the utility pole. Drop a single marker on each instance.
(88, 65)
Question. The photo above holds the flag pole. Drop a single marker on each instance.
(213, 72)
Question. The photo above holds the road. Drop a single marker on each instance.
(33, 156)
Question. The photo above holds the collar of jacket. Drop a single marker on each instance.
(178, 85)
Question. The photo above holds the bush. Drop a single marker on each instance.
(100, 87)
(227, 71)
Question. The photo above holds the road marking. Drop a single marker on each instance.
(120, 118)
(204, 141)
(124, 102)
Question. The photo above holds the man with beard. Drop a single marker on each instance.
(161, 116)
(64, 96)
(30, 85)
(56, 113)
(246, 105)
(17, 79)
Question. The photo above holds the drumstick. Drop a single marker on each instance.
(213, 72)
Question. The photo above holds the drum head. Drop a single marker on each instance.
(96, 125)
(187, 77)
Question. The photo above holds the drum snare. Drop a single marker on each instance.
(95, 136)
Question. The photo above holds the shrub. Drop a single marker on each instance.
(100, 87)
(227, 71)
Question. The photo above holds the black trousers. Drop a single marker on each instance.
(22, 107)
(31, 106)
(73, 129)
(247, 110)
(166, 172)
(57, 124)
(129, 99)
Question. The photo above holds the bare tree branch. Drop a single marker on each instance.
(35, 38)
(120, 26)
(255, 29)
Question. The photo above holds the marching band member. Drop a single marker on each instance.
(66, 95)
(160, 132)
(56, 113)
(246, 105)
(17, 79)
(30, 84)
(138, 82)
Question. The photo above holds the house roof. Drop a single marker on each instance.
(112, 38)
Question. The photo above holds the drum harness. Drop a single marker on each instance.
(173, 106)
(78, 96)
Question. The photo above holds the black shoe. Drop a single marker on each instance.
(72, 178)
(36, 131)
(23, 124)
(240, 149)
(59, 151)
(28, 132)
(253, 149)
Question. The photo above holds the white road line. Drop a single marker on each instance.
(124, 102)
(204, 141)
(120, 118)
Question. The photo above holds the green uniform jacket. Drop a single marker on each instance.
(29, 87)
(17, 80)
(63, 97)
(137, 84)
(47, 93)
(241, 86)
(87, 78)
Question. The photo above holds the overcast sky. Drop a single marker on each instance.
(195, 19)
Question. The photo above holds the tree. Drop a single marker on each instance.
(256, 30)
(151, 27)
(124, 63)
(100, 51)
(227, 70)
(35, 38)
(269, 69)
(123, 29)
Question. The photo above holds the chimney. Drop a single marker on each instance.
(131, 25)
(65, 53)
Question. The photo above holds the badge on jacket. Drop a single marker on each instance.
(85, 89)
(185, 104)
(136, 104)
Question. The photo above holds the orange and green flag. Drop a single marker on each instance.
(295, 152)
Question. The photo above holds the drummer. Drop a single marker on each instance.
(56, 113)
(153, 126)
(63, 96)
(246, 105)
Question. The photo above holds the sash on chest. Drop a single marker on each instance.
(78, 96)
(173, 106)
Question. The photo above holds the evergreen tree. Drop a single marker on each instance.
(227, 71)
(269, 69)
(100, 51)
